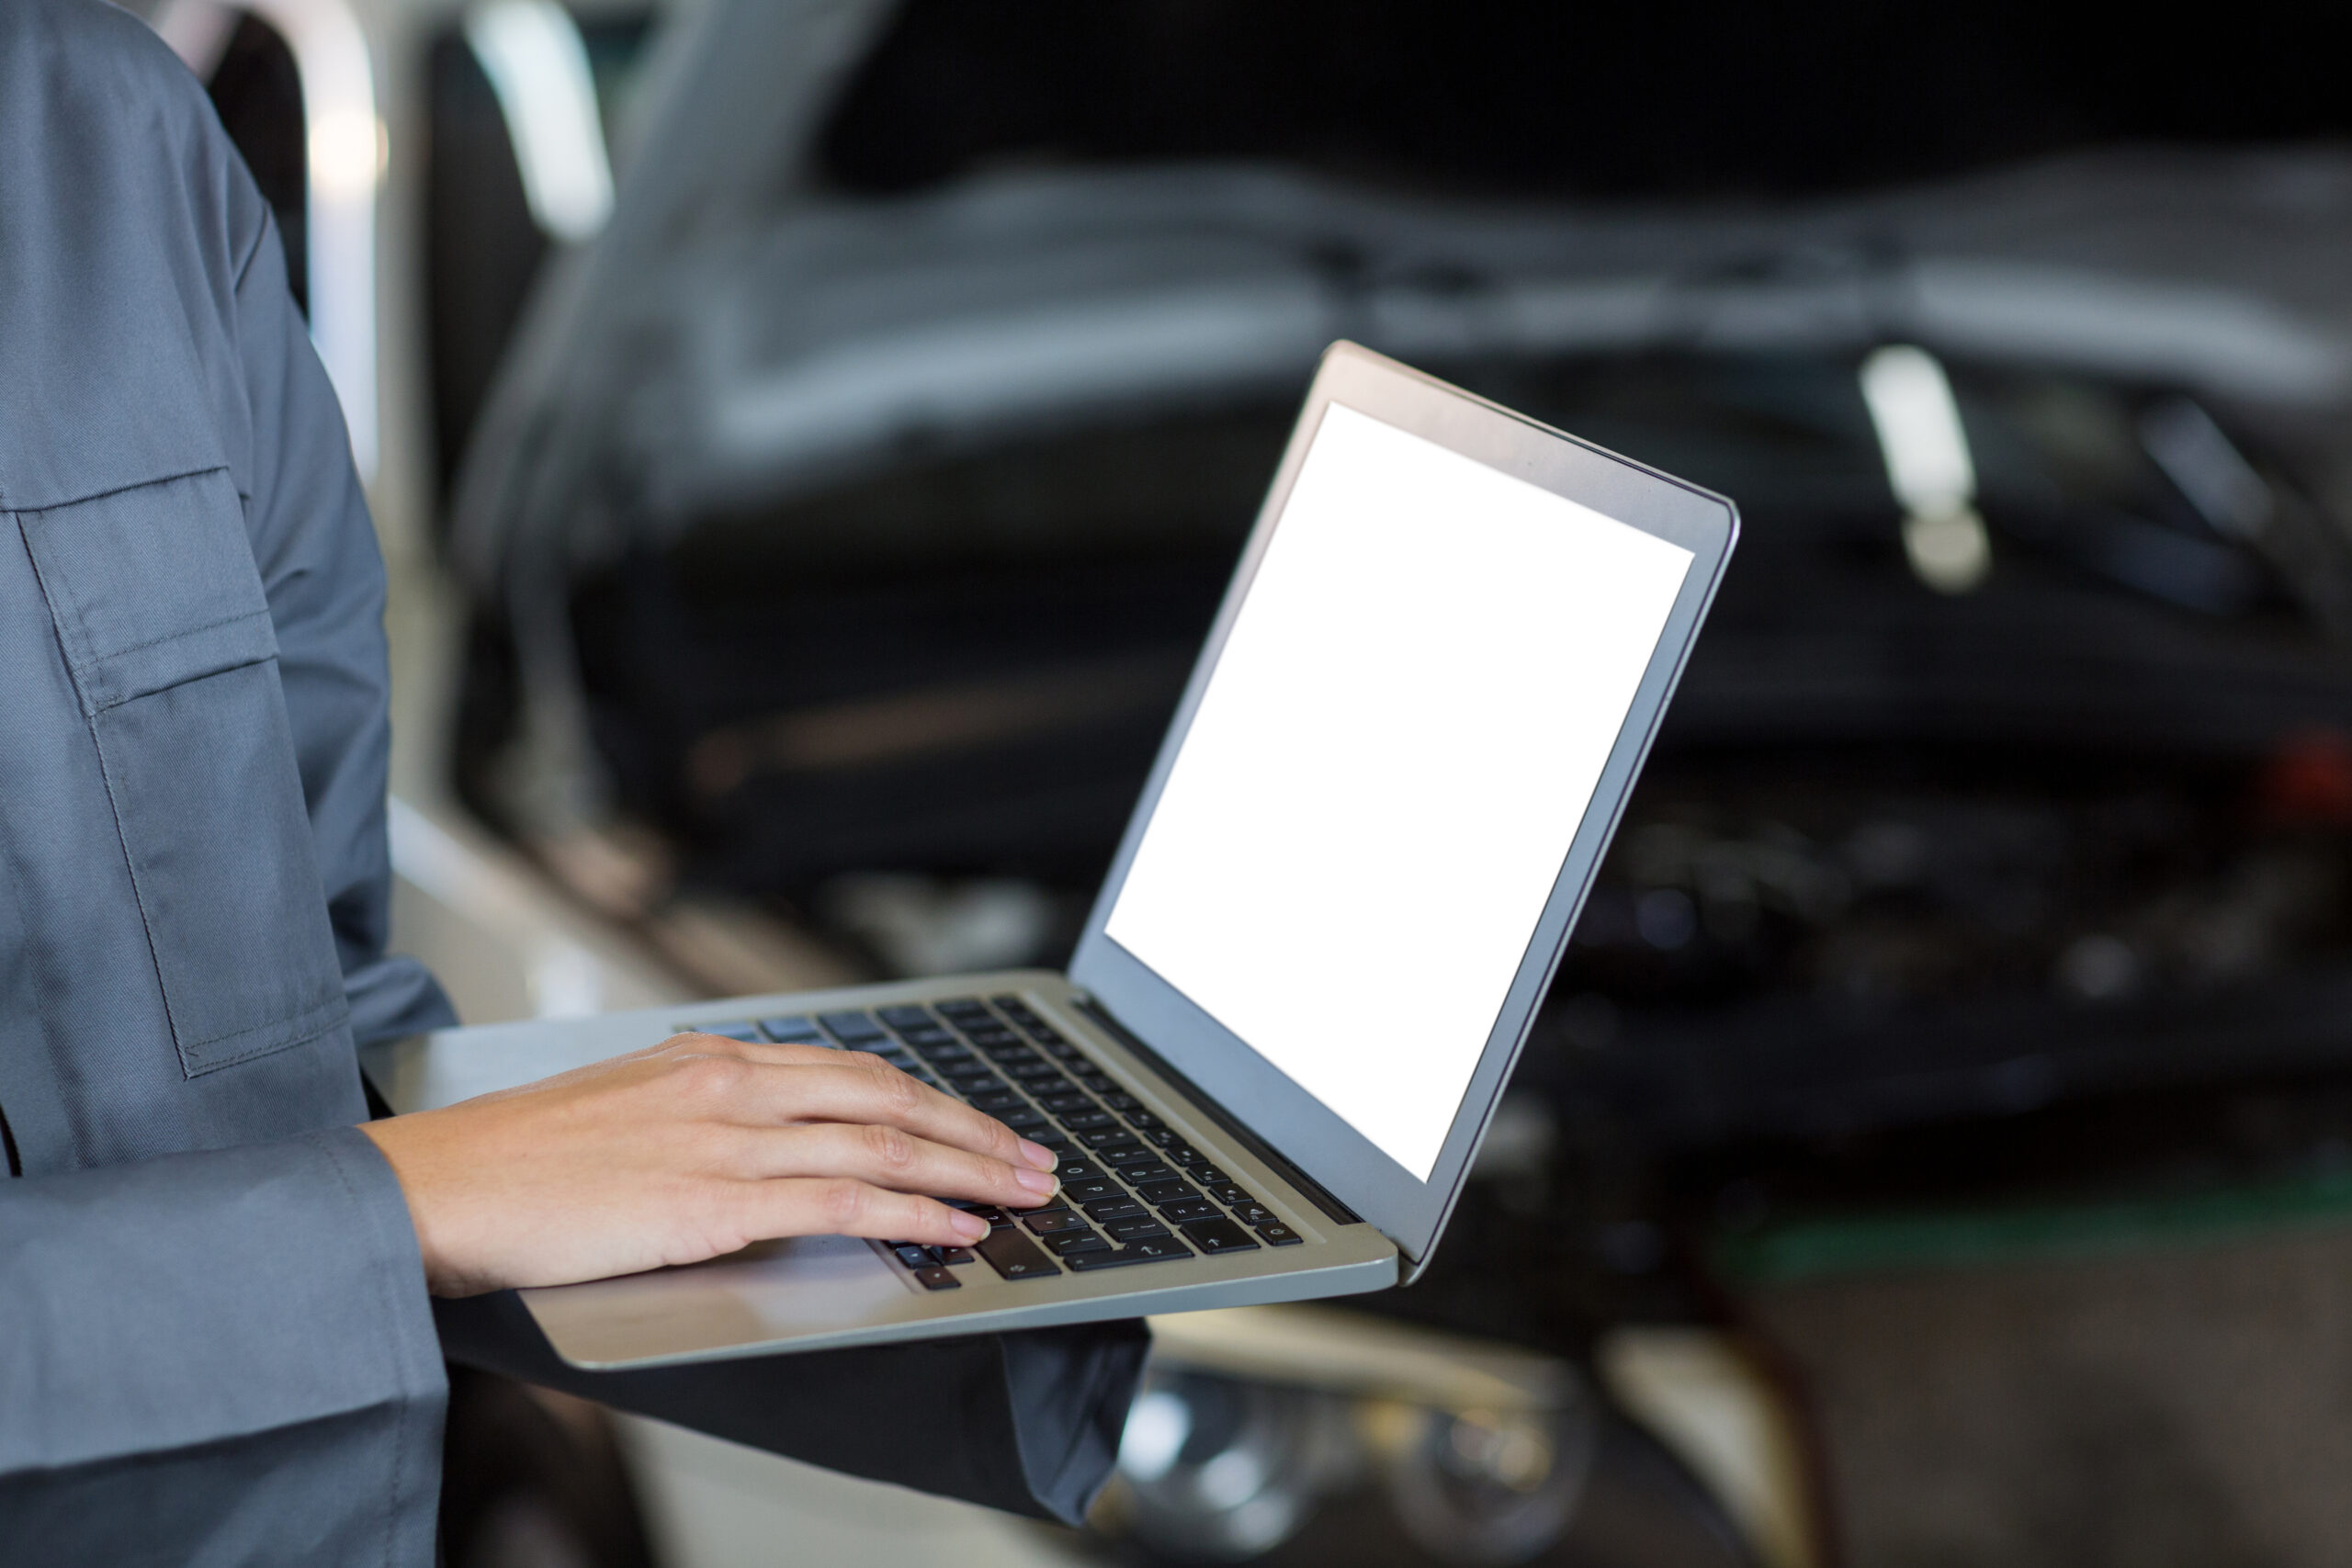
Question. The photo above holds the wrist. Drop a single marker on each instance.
(393, 1143)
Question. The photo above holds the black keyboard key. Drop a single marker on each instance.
(938, 1278)
(1064, 1099)
(1278, 1235)
(1074, 1241)
(739, 1029)
(1157, 1192)
(990, 1212)
(1152, 1250)
(1015, 1257)
(1021, 1119)
(1120, 1208)
(997, 1099)
(953, 1253)
(1077, 1167)
(1034, 1071)
(928, 1034)
(1185, 1211)
(905, 1017)
(1063, 1051)
(947, 1055)
(1162, 1137)
(1220, 1236)
(1136, 1175)
(850, 1026)
(797, 1030)
(1142, 1120)
(961, 1008)
(1105, 1138)
(1227, 1193)
(1088, 1189)
(1133, 1227)
(1051, 1137)
(1053, 1221)
(1012, 1004)
(1084, 1121)
(913, 1256)
(1255, 1214)
(993, 1036)
(1186, 1155)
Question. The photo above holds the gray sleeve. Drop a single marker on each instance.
(225, 1354)
(237, 1341)
(242, 1334)
(1028, 1422)
(324, 576)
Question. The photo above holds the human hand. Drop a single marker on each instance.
(689, 1150)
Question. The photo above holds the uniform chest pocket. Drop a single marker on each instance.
(167, 632)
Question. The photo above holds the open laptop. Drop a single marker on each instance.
(1353, 870)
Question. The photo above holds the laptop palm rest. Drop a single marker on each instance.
(770, 1290)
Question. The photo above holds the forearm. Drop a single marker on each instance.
(1028, 1423)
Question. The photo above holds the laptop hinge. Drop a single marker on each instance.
(1306, 1186)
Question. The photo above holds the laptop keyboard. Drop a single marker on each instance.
(1133, 1192)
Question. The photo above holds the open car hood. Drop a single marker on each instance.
(738, 333)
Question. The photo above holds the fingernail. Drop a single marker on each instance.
(971, 1228)
(1039, 1154)
(1037, 1181)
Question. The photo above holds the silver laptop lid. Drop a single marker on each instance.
(1405, 744)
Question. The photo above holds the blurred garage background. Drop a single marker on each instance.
(810, 436)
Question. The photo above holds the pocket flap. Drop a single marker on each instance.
(194, 606)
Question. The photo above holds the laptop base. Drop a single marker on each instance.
(824, 1293)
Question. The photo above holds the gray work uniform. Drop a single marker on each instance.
(215, 1340)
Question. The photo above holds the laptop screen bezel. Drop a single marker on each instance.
(1409, 1210)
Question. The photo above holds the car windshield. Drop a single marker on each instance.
(1536, 101)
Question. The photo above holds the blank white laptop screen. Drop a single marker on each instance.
(1395, 750)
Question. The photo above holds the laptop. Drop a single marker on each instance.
(1298, 998)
